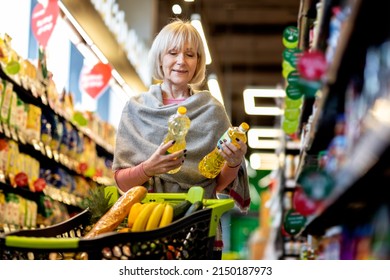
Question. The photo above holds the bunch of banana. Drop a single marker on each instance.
(149, 216)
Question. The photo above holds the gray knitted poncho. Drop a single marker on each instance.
(144, 125)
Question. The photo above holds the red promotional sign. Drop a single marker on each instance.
(94, 81)
(43, 21)
(312, 65)
(303, 204)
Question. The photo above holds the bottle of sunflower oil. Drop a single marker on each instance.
(178, 126)
(211, 165)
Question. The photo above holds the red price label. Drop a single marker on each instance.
(312, 65)
(39, 184)
(21, 179)
(303, 204)
(83, 167)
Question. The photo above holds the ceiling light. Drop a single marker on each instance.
(265, 92)
(266, 132)
(256, 138)
(264, 161)
(89, 56)
(195, 21)
(99, 54)
(265, 111)
(213, 85)
(76, 25)
(176, 9)
(250, 105)
(264, 144)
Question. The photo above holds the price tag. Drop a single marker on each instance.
(312, 65)
(291, 56)
(294, 222)
(293, 78)
(290, 37)
(304, 205)
(316, 183)
(293, 92)
(21, 179)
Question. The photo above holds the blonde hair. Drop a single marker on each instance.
(173, 36)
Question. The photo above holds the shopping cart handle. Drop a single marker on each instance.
(218, 207)
(41, 242)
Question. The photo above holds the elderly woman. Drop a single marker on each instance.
(177, 59)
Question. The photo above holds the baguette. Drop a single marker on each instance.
(117, 213)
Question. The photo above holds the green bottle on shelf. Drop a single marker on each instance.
(178, 126)
(211, 165)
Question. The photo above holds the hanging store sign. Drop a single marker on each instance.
(43, 21)
(94, 81)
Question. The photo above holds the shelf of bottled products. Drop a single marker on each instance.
(360, 181)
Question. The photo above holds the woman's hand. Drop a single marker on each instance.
(233, 154)
(161, 162)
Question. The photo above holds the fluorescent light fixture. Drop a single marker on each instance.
(176, 9)
(76, 25)
(213, 85)
(255, 140)
(117, 77)
(265, 111)
(249, 101)
(266, 132)
(264, 161)
(265, 144)
(195, 21)
(89, 56)
(264, 92)
(99, 54)
(128, 90)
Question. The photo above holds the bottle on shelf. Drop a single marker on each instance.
(210, 166)
(178, 126)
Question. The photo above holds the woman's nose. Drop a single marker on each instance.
(180, 58)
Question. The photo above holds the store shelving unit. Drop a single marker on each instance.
(46, 158)
(355, 197)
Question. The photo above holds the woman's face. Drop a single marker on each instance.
(179, 65)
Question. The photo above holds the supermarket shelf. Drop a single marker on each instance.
(27, 96)
(355, 197)
(331, 103)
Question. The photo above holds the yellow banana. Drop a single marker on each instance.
(167, 216)
(155, 217)
(134, 212)
(143, 217)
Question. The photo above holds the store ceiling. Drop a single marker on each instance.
(245, 41)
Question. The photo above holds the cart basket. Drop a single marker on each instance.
(190, 237)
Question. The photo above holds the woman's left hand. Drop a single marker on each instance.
(233, 154)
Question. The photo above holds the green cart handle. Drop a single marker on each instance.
(41, 242)
(218, 207)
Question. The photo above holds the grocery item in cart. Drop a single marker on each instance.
(190, 237)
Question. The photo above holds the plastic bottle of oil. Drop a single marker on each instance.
(178, 126)
(210, 166)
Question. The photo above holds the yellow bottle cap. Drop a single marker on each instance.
(182, 110)
(244, 126)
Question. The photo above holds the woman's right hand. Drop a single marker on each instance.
(161, 162)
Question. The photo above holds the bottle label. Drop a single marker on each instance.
(224, 138)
